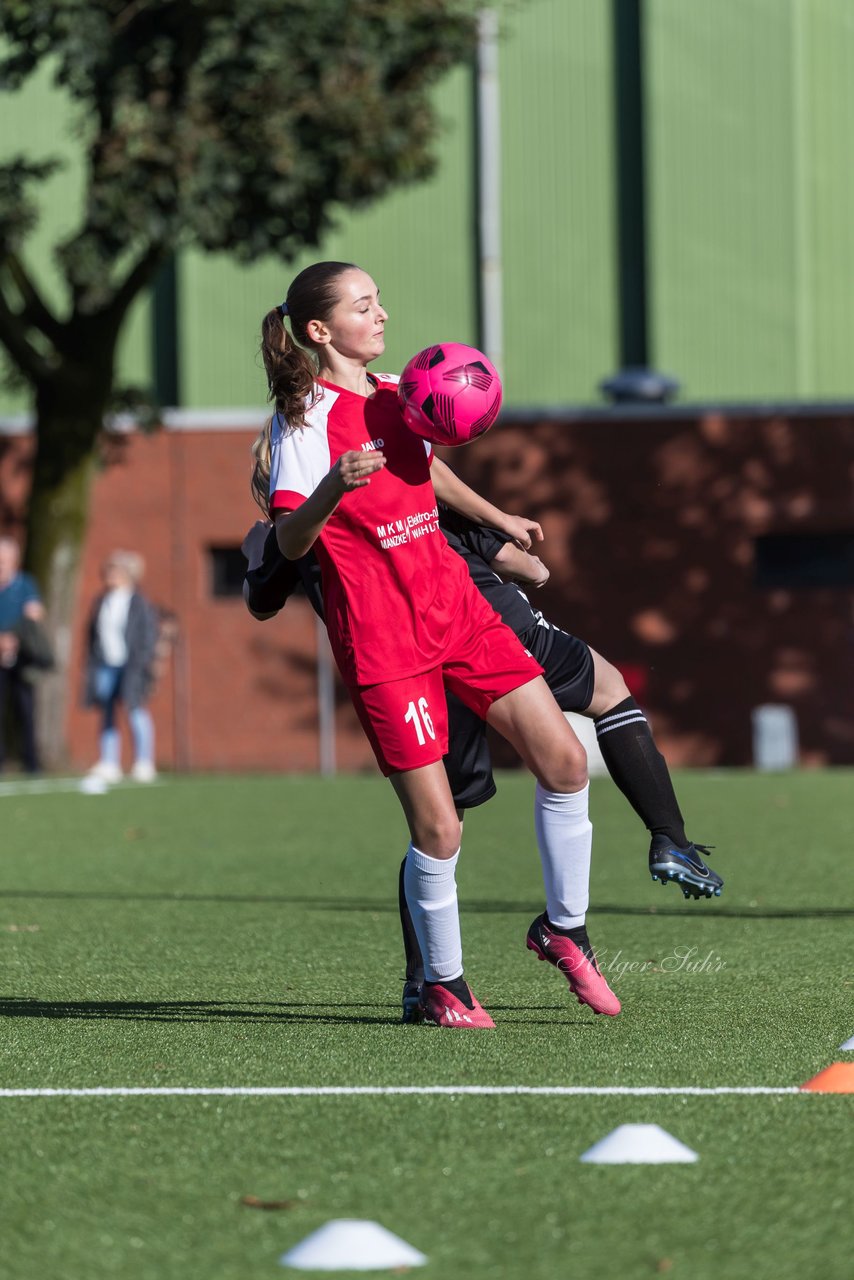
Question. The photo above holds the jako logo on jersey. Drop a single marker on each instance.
(372, 444)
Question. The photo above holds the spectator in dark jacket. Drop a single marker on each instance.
(122, 640)
(20, 606)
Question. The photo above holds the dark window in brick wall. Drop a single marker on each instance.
(227, 566)
(795, 560)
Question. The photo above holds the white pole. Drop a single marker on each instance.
(489, 187)
(325, 701)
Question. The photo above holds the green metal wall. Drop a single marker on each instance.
(420, 243)
(750, 117)
(558, 220)
(416, 244)
(828, 226)
(750, 114)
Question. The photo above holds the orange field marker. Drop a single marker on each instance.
(837, 1078)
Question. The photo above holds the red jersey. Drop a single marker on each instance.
(392, 586)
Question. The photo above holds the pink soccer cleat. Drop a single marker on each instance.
(581, 973)
(448, 1009)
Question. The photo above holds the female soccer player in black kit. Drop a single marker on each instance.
(580, 679)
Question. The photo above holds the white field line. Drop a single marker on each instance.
(430, 1090)
(52, 786)
(39, 786)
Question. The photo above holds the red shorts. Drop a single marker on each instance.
(406, 720)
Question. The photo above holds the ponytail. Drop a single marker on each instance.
(290, 370)
(290, 381)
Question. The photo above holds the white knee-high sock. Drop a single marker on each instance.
(431, 895)
(565, 839)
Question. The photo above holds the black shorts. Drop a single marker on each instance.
(567, 663)
(568, 667)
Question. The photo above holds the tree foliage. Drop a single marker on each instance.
(232, 125)
(236, 125)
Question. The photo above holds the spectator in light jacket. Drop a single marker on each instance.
(122, 639)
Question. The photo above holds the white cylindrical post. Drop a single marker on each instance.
(775, 737)
(325, 701)
(489, 188)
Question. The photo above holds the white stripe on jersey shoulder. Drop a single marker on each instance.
(299, 459)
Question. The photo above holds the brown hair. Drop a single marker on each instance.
(290, 368)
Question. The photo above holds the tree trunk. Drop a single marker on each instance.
(66, 458)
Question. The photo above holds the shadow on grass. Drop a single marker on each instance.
(257, 1012)
(475, 906)
(189, 1010)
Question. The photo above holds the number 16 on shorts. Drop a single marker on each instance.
(419, 717)
(406, 720)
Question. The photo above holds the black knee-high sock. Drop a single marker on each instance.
(639, 769)
(414, 963)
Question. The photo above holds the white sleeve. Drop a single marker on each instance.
(299, 459)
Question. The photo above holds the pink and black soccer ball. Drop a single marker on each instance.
(450, 393)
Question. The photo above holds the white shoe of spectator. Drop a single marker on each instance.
(143, 771)
(106, 772)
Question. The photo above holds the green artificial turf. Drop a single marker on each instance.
(243, 932)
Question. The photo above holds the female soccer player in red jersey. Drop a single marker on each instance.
(339, 471)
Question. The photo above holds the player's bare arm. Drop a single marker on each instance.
(455, 493)
(297, 531)
(519, 566)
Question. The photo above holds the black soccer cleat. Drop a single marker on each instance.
(413, 1000)
(685, 867)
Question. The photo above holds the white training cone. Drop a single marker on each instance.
(848, 1047)
(639, 1144)
(350, 1244)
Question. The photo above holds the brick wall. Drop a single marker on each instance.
(651, 529)
(650, 536)
(234, 693)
